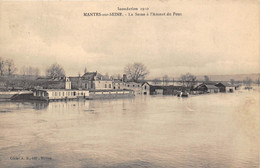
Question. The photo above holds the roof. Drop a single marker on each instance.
(210, 83)
(211, 86)
(133, 83)
(226, 84)
(90, 75)
(56, 90)
(50, 79)
(145, 83)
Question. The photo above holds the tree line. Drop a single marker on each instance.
(135, 72)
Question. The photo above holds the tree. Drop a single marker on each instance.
(10, 67)
(136, 71)
(165, 80)
(34, 71)
(248, 81)
(188, 80)
(55, 71)
(2, 66)
(232, 81)
(106, 76)
(206, 78)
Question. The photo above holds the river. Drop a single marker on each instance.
(213, 130)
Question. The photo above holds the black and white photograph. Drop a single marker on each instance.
(130, 84)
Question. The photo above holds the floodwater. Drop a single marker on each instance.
(216, 130)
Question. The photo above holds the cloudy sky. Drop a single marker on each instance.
(211, 37)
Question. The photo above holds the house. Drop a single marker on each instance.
(85, 82)
(91, 81)
(146, 88)
(225, 87)
(135, 86)
(206, 88)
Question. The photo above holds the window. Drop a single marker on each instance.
(145, 87)
(133, 85)
(63, 93)
(128, 85)
(105, 85)
(59, 93)
(109, 85)
(74, 93)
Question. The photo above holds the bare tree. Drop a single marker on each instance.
(106, 76)
(188, 80)
(156, 81)
(136, 71)
(165, 80)
(2, 66)
(232, 81)
(206, 78)
(55, 71)
(10, 67)
(248, 81)
(30, 71)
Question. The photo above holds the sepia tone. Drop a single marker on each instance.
(130, 83)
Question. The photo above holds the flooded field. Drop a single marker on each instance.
(217, 130)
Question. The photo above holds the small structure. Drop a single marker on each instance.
(59, 94)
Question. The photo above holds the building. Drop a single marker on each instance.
(103, 84)
(85, 82)
(225, 87)
(91, 81)
(118, 84)
(135, 86)
(146, 88)
(206, 88)
(165, 90)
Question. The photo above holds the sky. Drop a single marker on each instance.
(212, 37)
